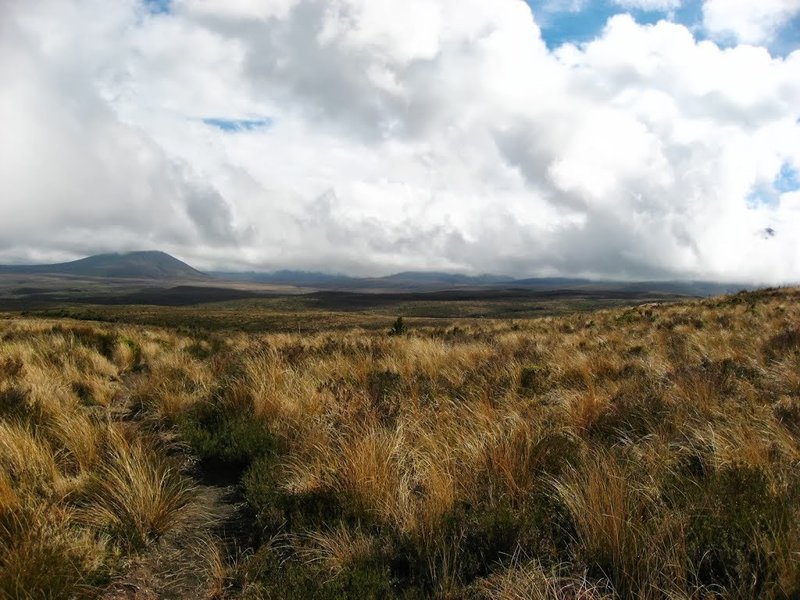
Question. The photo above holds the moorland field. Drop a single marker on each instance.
(647, 451)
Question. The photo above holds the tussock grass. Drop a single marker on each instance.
(623, 534)
(337, 550)
(531, 581)
(44, 554)
(28, 461)
(77, 496)
(135, 495)
(647, 452)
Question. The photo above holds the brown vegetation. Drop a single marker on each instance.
(647, 452)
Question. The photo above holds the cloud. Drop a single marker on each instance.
(651, 5)
(438, 134)
(243, 10)
(75, 178)
(559, 6)
(748, 21)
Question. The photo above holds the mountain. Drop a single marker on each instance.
(404, 280)
(287, 277)
(426, 281)
(131, 265)
(436, 278)
(158, 266)
(681, 288)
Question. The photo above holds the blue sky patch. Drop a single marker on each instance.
(788, 180)
(761, 195)
(788, 39)
(565, 26)
(158, 7)
(238, 125)
(578, 21)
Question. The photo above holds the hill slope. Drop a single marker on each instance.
(131, 265)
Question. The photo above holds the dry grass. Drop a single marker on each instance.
(135, 495)
(646, 452)
(531, 581)
(333, 552)
(76, 494)
(621, 529)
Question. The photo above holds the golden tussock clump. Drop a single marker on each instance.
(644, 452)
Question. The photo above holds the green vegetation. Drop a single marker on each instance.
(319, 313)
(641, 452)
(399, 327)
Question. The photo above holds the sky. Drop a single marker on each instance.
(623, 139)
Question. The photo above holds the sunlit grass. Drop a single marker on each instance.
(646, 452)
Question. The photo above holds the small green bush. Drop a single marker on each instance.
(731, 511)
(219, 435)
(399, 327)
(277, 510)
(277, 572)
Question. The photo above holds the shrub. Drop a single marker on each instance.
(399, 327)
(730, 512)
(274, 572)
(276, 509)
(224, 438)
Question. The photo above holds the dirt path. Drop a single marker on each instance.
(188, 563)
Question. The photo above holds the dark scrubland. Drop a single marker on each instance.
(206, 309)
(630, 452)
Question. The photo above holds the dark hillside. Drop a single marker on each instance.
(131, 265)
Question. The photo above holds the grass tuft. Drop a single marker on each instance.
(137, 494)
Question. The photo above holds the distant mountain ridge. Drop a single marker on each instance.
(151, 264)
(421, 281)
(159, 266)
(446, 278)
(284, 276)
(397, 280)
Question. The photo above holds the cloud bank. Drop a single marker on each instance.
(748, 21)
(370, 136)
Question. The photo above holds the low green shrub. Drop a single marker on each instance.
(731, 513)
(279, 573)
(228, 438)
(399, 327)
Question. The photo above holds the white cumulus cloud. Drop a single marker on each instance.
(654, 5)
(748, 21)
(430, 134)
